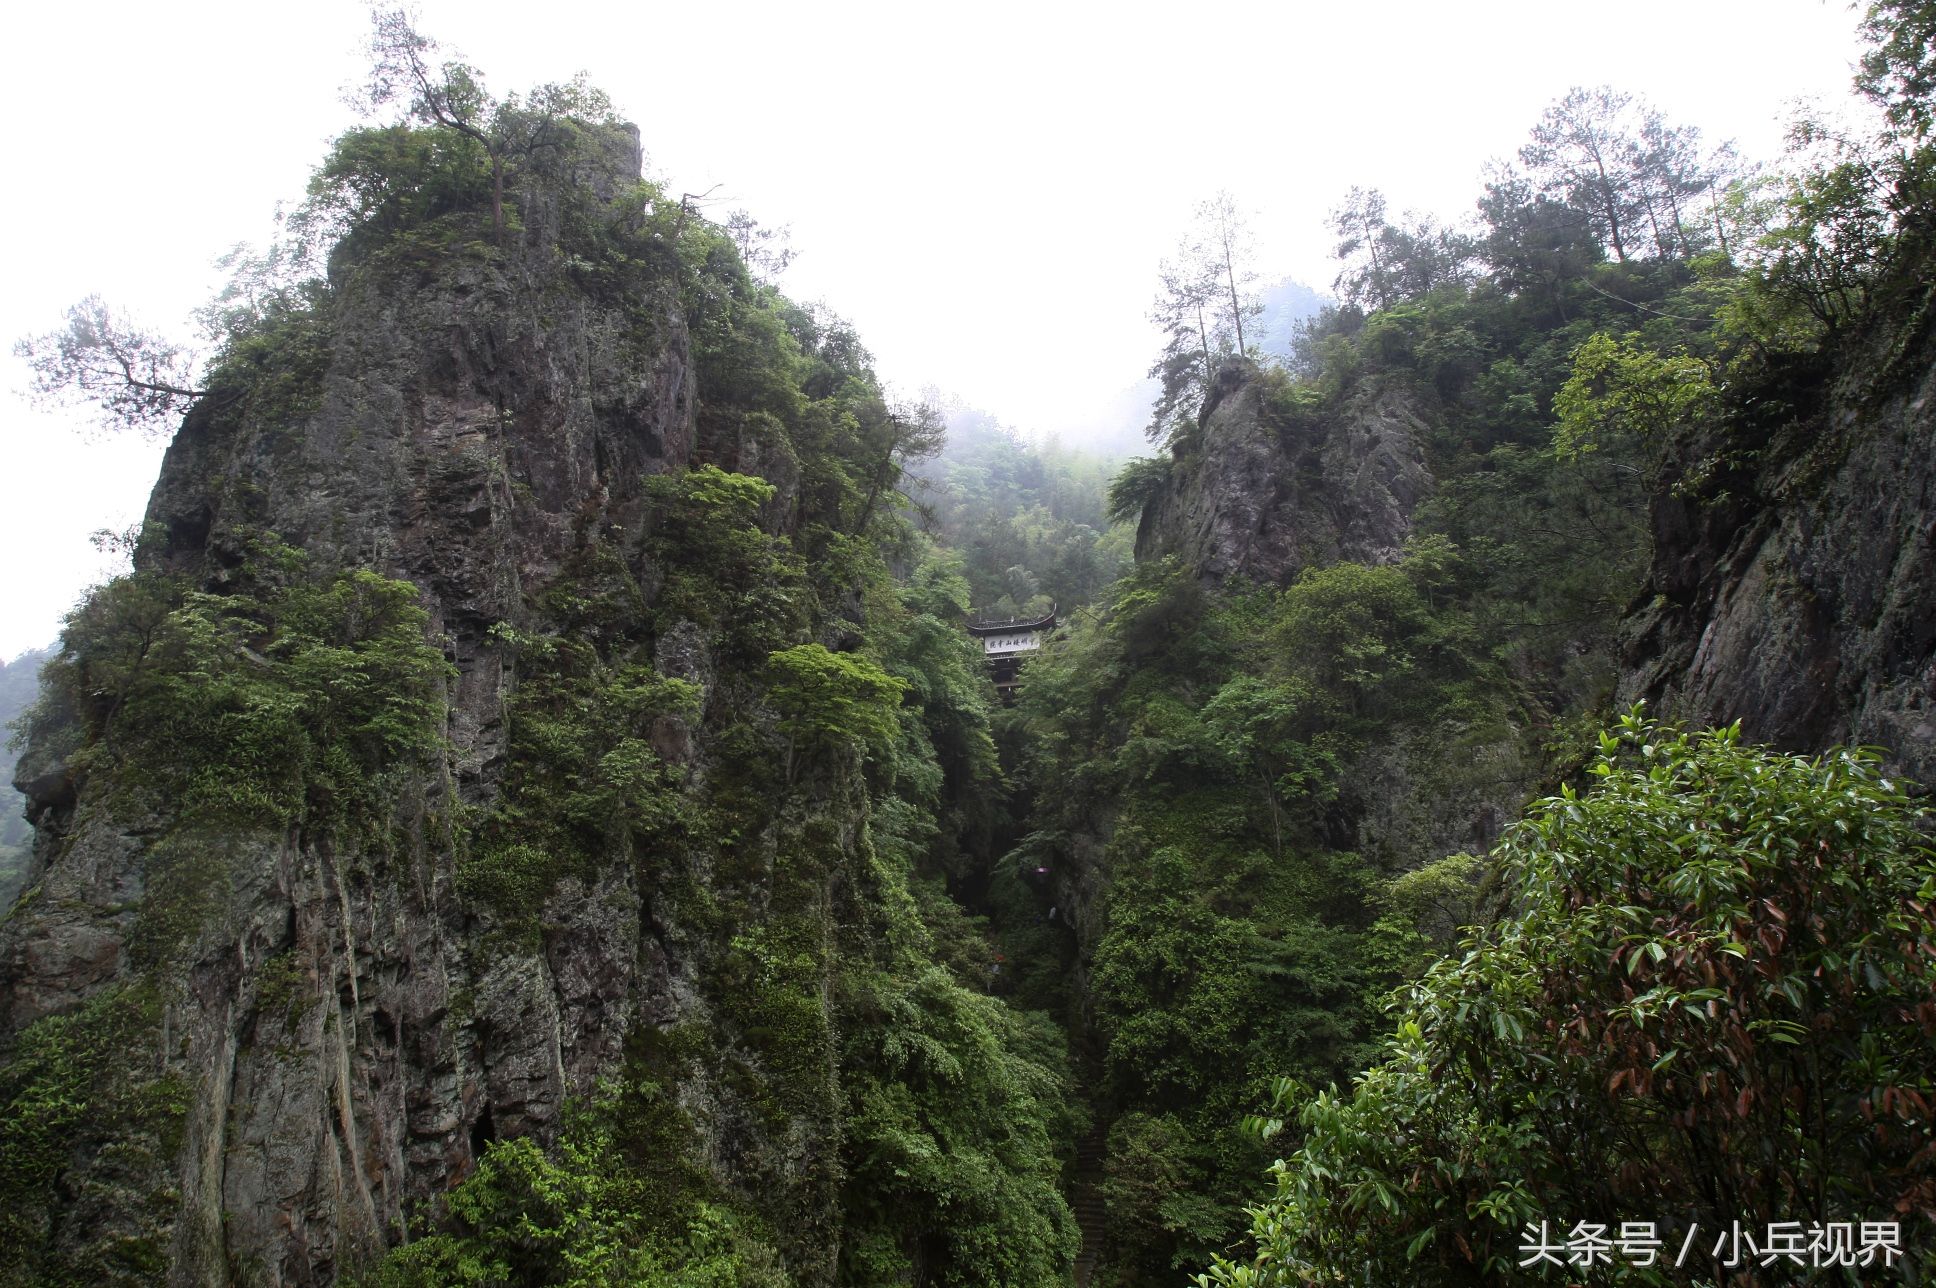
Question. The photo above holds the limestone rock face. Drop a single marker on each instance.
(344, 1037)
(1797, 593)
(19, 686)
(1264, 494)
(478, 416)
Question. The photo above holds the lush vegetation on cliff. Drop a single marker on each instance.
(19, 686)
(731, 705)
(1697, 980)
(1215, 957)
(1712, 995)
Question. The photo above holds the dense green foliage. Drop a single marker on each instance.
(585, 783)
(286, 703)
(1262, 781)
(1216, 756)
(828, 701)
(1713, 996)
(579, 1216)
(19, 687)
(67, 1083)
(1028, 520)
(926, 944)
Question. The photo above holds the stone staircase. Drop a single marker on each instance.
(1086, 1199)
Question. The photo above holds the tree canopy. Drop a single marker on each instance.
(1713, 998)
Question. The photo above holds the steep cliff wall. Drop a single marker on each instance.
(422, 789)
(340, 1037)
(1261, 491)
(19, 684)
(1793, 584)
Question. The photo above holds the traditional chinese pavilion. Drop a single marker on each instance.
(1005, 643)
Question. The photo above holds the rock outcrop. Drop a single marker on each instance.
(333, 1035)
(1260, 492)
(19, 686)
(1794, 587)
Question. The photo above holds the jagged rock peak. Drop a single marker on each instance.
(1264, 488)
(328, 1033)
(1793, 584)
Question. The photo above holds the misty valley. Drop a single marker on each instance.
(579, 781)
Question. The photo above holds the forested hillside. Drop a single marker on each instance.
(1617, 443)
(1026, 519)
(533, 813)
(495, 802)
(19, 684)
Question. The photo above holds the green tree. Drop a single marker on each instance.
(1714, 1000)
(830, 700)
(765, 251)
(1899, 69)
(1579, 153)
(1267, 728)
(1140, 482)
(1385, 263)
(578, 1216)
(1633, 175)
(1826, 232)
(135, 377)
(1673, 170)
(1623, 396)
(1183, 309)
(724, 570)
(1206, 297)
(1361, 229)
(1227, 243)
(450, 95)
(1536, 246)
(892, 439)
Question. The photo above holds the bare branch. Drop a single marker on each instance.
(134, 379)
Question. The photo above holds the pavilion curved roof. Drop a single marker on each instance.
(1013, 624)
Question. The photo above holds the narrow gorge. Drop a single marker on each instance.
(539, 808)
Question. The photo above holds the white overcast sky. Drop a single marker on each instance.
(984, 189)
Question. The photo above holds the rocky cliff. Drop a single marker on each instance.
(341, 1039)
(425, 787)
(1793, 584)
(1263, 489)
(19, 685)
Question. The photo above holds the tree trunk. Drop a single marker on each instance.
(1610, 199)
(1377, 269)
(497, 198)
(1661, 240)
(1720, 230)
(1236, 311)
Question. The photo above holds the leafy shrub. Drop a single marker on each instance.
(263, 708)
(68, 1081)
(1714, 1002)
(723, 570)
(569, 1217)
(955, 1103)
(829, 701)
